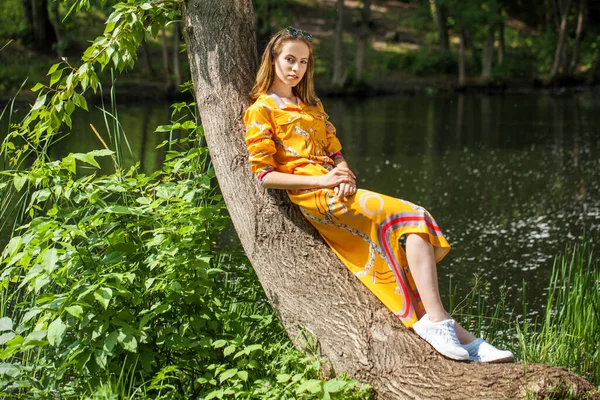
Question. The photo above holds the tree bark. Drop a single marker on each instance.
(487, 56)
(338, 73)
(363, 39)
(441, 19)
(577, 45)
(306, 284)
(562, 33)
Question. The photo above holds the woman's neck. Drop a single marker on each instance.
(285, 91)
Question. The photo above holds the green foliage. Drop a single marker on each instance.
(12, 19)
(115, 285)
(421, 62)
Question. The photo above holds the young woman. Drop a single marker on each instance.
(293, 146)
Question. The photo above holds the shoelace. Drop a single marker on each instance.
(450, 333)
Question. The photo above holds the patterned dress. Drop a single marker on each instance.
(364, 230)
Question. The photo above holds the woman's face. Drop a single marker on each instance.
(291, 64)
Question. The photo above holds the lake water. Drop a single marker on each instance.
(511, 179)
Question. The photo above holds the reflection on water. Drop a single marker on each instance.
(511, 179)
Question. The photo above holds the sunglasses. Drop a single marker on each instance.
(298, 32)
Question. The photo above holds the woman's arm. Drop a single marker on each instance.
(335, 177)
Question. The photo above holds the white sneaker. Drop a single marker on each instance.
(480, 350)
(442, 336)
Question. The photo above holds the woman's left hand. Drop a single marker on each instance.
(344, 190)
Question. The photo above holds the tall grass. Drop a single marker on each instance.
(567, 333)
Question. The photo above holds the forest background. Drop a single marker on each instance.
(108, 290)
(377, 46)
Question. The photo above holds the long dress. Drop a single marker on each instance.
(364, 230)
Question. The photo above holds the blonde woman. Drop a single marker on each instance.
(293, 146)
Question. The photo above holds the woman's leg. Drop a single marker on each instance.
(421, 261)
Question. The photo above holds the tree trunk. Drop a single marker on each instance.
(441, 19)
(487, 56)
(577, 46)
(166, 63)
(363, 39)
(41, 33)
(176, 49)
(55, 22)
(338, 73)
(562, 33)
(307, 285)
(461, 62)
(501, 43)
(147, 61)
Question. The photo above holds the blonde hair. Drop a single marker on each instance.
(305, 89)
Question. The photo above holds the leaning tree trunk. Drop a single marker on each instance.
(307, 285)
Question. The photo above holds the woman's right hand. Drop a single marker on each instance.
(337, 176)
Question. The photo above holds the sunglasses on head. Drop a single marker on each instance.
(298, 32)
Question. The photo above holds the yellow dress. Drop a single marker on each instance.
(364, 230)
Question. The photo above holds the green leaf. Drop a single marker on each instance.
(75, 311)
(103, 295)
(86, 158)
(282, 378)
(6, 324)
(5, 337)
(37, 87)
(228, 350)
(53, 68)
(100, 357)
(334, 385)
(56, 75)
(311, 385)
(80, 101)
(49, 259)
(228, 374)
(243, 375)
(19, 181)
(128, 341)
(219, 343)
(9, 370)
(41, 100)
(110, 341)
(13, 246)
(56, 330)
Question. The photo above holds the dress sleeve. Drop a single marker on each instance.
(261, 147)
(334, 147)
